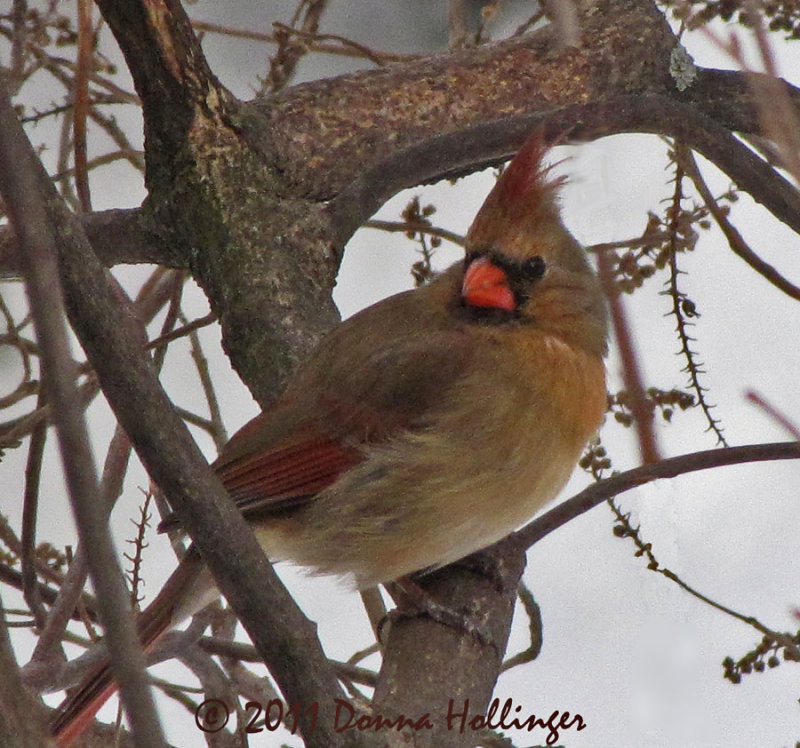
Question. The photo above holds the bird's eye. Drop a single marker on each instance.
(533, 268)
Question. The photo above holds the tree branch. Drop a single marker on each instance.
(491, 143)
(21, 716)
(110, 336)
(598, 492)
(169, 71)
(736, 241)
(22, 179)
(117, 237)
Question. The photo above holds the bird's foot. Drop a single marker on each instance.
(413, 601)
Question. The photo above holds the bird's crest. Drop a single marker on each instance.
(523, 198)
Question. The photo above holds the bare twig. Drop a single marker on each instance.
(22, 181)
(82, 102)
(284, 63)
(625, 529)
(132, 156)
(19, 43)
(182, 331)
(142, 524)
(598, 492)
(735, 240)
(48, 594)
(456, 24)
(564, 16)
(681, 308)
(419, 228)
(33, 474)
(176, 281)
(791, 428)
(70, 592)
(534, 613)
(216, 426)
(375, 609)
(529, 22)
(349, 47)
(641, 407)
(316, 42)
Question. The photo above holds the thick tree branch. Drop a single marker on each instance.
(320, 134)
(117, 237)
(264, 261)
(284, 637)
(110, 336)
(457, 665)
(491, 143)
(169, 72)
(129, 236)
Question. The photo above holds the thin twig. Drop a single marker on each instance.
(355, 49)
(70, 593)
(564, 16)
(134, 157)
(375, 609)
(735, 240)
(456, 24)
(534, 613)
(645, 550)
(82, 102)
(528, 23)
(217, 427)
(30, 506)
(19, 44)
(792, 429)
(177, 281)
(345, 47)
(598, 492)
(23, 182)
(640, 406)
(182, 331)
(142, 524)
(418, 228)
(679, 301)
(283, 65)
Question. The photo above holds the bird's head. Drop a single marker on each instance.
(521, 260)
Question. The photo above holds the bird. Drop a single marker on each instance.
(423, 428)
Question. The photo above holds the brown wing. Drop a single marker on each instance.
(379, 373)
(281, 478)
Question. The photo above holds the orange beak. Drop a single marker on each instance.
(486, 285)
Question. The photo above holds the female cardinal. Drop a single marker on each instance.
(427, 426)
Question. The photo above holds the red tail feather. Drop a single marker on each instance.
(79, 709)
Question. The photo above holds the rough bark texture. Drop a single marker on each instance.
(323, 133)
(456, 671)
